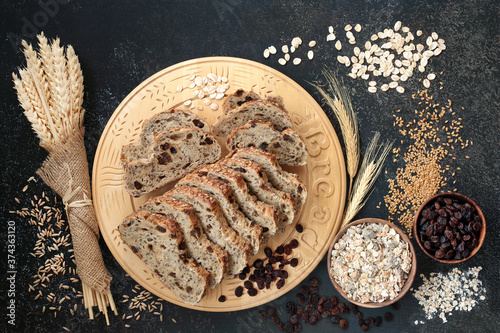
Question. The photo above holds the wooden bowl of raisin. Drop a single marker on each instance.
(449, 227)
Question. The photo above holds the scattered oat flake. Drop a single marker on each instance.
(442, 294)
(357, 27)
(310, 55)
(312, 43)
(297, 61)
(188, 102)
(272, 49)
(338, 45)
(266, 53)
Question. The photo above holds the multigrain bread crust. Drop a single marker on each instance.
(286, 145)
(171, 155)
(259, 185)
(215, 225)
(249, 231)
(238, 98)
(207, 254)
(254, 110)
(159, 242)
(280, 179)
(255, 210)
(158, 123)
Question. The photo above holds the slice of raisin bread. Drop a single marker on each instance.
(159, 242)
(207, 254)
(249, 231)
(287, 146)
(255, 210)
(258, 184)
(237, 98)
(215, 225)
(253, 110)
(158, 123)
(172, 154)
(278, 100)
(280, 179)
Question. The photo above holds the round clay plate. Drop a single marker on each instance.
(324, 174)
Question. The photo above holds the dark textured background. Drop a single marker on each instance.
(122, 43)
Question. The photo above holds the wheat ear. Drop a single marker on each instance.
(38, 122)
(61, 91)
(76, 86)
(338, 100)
(368, 173)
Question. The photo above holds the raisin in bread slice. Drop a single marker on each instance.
(255, 210)
(287, 146)
(238, 98)
(158, 123)
(215, 225)
(254, 110)
(249, 231)
(207, 254)
(259, 185)
(173, 154)
(279, 178)
(159, 242)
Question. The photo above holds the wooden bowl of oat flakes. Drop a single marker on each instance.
(372, 263)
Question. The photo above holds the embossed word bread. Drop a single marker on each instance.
(158, 123)
(207, 254)
(159, 242)
(254, 110)
(287, 145)
(280, 179)
(171, 155)
(215, 225)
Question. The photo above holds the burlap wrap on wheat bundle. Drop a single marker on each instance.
(66, 171)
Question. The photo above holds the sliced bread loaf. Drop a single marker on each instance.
(249, 231)
(287, 145)
(207, 254)
(159, 242)
(280, 179)
(172, 154)
(258, 184)
(158, 123)
(255, 210)
(237, 98)
(253, 110)
(215, 225)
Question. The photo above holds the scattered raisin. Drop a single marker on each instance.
(268, 252)
(290, 307)
(313, 320)
(238, 291)
(365, 327)
(280, 250)
(248, 284)
(388, 316)
(301, 298)
(343, 324)
(294, 319)
(335, 320)
(294, 262)
(299, 228)
(222, 298)
(314, 282)
(252, 292)
(395, 306)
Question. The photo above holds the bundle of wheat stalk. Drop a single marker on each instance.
(50, 90)
(360, 181)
